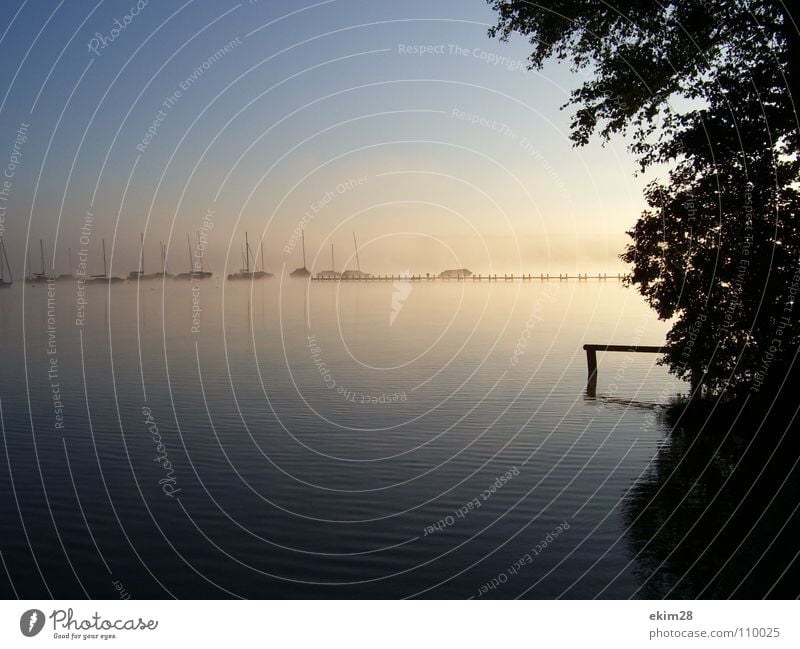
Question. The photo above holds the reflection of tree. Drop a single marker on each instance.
(701, 523)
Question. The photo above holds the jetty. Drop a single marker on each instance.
(453, 276)
(591, 359)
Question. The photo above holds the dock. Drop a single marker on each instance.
(529, 277)
(591, 359)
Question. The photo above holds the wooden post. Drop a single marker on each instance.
(591, 364)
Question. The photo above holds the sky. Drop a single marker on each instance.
(403, 123)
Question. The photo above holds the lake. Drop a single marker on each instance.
(281, 438)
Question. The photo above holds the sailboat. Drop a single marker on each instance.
(35, 278)
(105, 276)
(356, 274)
(329, 274)
(69, 274)
(164, 273)
(246, 273)
(259, 274)
(4, 265)
(139, 274)
(203, 274)
(191, 263)
(193, 274)
(302, 272)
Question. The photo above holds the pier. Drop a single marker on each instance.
(591, 359)
(529, 277)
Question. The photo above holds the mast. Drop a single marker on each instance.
(355, 243)
(141, 254)
(247, 250)
(41, 248)
(2, 249)
(189, 248)
(199, 252)
(262, 254)
(105, 268)
(333, 265)
(5, 257)
(304, 248)
(163, 259)
(69, 260)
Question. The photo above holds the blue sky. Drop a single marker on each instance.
(452, 156)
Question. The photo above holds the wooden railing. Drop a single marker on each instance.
(591, 359)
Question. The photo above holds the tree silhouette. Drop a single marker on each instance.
(705, 88)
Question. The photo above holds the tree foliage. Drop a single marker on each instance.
(704, 89)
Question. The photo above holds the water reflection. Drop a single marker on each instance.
(716, 515)
(291, 487)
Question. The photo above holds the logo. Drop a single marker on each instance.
(31, 622)
(401, 289)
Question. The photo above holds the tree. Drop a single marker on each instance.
(705, 88)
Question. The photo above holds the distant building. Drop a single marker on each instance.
(329, 274)
(458, 273)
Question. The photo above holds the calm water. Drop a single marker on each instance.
(359, 440)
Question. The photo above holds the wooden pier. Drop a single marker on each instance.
(591, 359)
(529, 277)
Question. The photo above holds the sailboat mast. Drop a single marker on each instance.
(333, 265)
(41, 248)
(199, 252)
(105, 267)
(8, 265)
(304, 248)
(262, 254)
(189, 248)
(69, 260)
(247, 250)
(355, 243)
(141, 254)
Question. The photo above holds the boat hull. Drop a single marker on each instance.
(259, 274)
